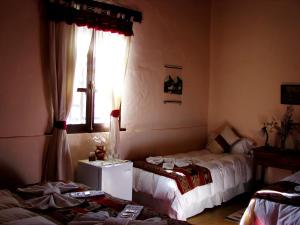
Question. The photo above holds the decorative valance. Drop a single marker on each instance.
(94, 14)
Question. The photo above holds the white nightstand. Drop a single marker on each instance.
(113, 176)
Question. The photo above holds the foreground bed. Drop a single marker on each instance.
(231, 175)
(51, 204)
(275, 205)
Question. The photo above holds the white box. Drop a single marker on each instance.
(113, 177)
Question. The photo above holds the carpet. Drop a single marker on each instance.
(236, 216)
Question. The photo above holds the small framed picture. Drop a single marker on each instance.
(290, 94)
(173, 84)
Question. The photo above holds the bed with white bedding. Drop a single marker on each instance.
(282, 208)
(51, 203)
(231, 175)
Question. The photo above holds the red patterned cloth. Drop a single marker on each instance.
(187, 178)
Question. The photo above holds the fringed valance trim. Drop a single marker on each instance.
(97, 15)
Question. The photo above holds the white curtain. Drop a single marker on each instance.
(111, 56)
(62, 52)
(117, 91)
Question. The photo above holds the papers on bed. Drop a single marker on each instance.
(182, 170)
(169, 163)
(187, 178)
(155, 160)
(179, 163)
(50, 195)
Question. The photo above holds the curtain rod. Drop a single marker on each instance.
(136, 15)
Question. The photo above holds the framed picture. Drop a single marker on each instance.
(173, 84)
(290, 94)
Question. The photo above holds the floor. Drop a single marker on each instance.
(216, 215)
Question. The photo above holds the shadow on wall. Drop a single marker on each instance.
(8, 177)
(138, 145)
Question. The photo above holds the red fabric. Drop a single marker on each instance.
(60, 125)
(193, 175)
(111, 23)
(115, 113)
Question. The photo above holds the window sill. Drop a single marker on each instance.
(84, 131)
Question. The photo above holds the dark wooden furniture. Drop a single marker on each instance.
(275, 157)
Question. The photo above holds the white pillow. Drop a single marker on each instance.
(243, 146)
(214, 147)
(229, 135)
(222, 142)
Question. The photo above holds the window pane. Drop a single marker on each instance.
(77, 114)
(83, 40)
(103, 107)
(110, 64)
(108, 68)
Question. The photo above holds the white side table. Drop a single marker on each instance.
(112, 176)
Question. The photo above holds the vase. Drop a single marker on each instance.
(290, 142)
(282, 142)
(100, 152)
(267, 140)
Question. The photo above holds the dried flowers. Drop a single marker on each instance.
(283, 128)
(287, 125)
(267, 128)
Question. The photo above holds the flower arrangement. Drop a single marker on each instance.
(283, 128)
(101, 142)
(267, 128)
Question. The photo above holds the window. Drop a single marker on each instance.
(99, 71)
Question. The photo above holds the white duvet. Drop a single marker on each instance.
(230, 173)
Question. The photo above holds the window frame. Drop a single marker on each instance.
(90, 126)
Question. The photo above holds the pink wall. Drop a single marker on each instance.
(23, 112)
(23, 109)
(166, 36)
(254, 48)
